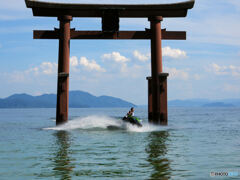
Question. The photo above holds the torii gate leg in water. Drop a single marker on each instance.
(63, 70)
(157, 93)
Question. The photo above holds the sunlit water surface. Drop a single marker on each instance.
(196, 142)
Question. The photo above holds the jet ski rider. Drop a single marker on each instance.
(131, 112)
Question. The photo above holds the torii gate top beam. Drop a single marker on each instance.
(53, 9)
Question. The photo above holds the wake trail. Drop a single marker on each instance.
(103, 122)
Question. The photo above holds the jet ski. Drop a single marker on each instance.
(132, 120)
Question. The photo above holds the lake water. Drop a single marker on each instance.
(196, 142)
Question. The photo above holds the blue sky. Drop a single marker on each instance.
(206, 65)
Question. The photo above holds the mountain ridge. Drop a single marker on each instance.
(82, 99)
(205, 103)
(77, 99)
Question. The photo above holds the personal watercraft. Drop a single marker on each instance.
(132, 120)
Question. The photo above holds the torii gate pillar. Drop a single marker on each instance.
(157, 83)
(63, 69)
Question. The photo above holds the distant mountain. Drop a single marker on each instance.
(205, 103)
(77, 99)
(189, 102)
(80, 99)
(218, 104)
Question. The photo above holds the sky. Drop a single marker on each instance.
(206, 65)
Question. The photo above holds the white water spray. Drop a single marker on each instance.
(103, 122)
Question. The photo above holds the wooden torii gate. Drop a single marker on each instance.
(110, 14)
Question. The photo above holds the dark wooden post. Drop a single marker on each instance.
(150, 118)
(159, 106)
(63, 69)
(163, 98)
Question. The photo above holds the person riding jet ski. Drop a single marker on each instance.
(131, 119)
(131, 112)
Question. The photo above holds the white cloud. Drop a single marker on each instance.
(116, 56)
(138, 71)
(74, 64)
(219, 70)
(16, 77)
(177, 74)
(231, 88)
(140, 56)
(124, 68)
(73, 61)
(197, 76)
(51, 68)
(173, 53)
(235, 70)
(34, 70)
(134, 71)
(84, 62)
(166, 51)
(225, 70)
(46, 68)
(91, 65)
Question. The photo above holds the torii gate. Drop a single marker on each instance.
(110, 14)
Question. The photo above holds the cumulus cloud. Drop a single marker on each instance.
(34, 70)
(51, 68)
(225, 70)
(166, 51)
(231, 88)
(16, 77)
(173, 53)
(197, 76)
(74, 61)
(134, 71)
(177, 74)
(91, 65)
(115, 56)
(218, 69)
(140, 56)
(46, 68)
(124, 68)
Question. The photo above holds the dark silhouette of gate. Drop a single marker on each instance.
(110, 14)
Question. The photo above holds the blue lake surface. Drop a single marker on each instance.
(197, 141)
